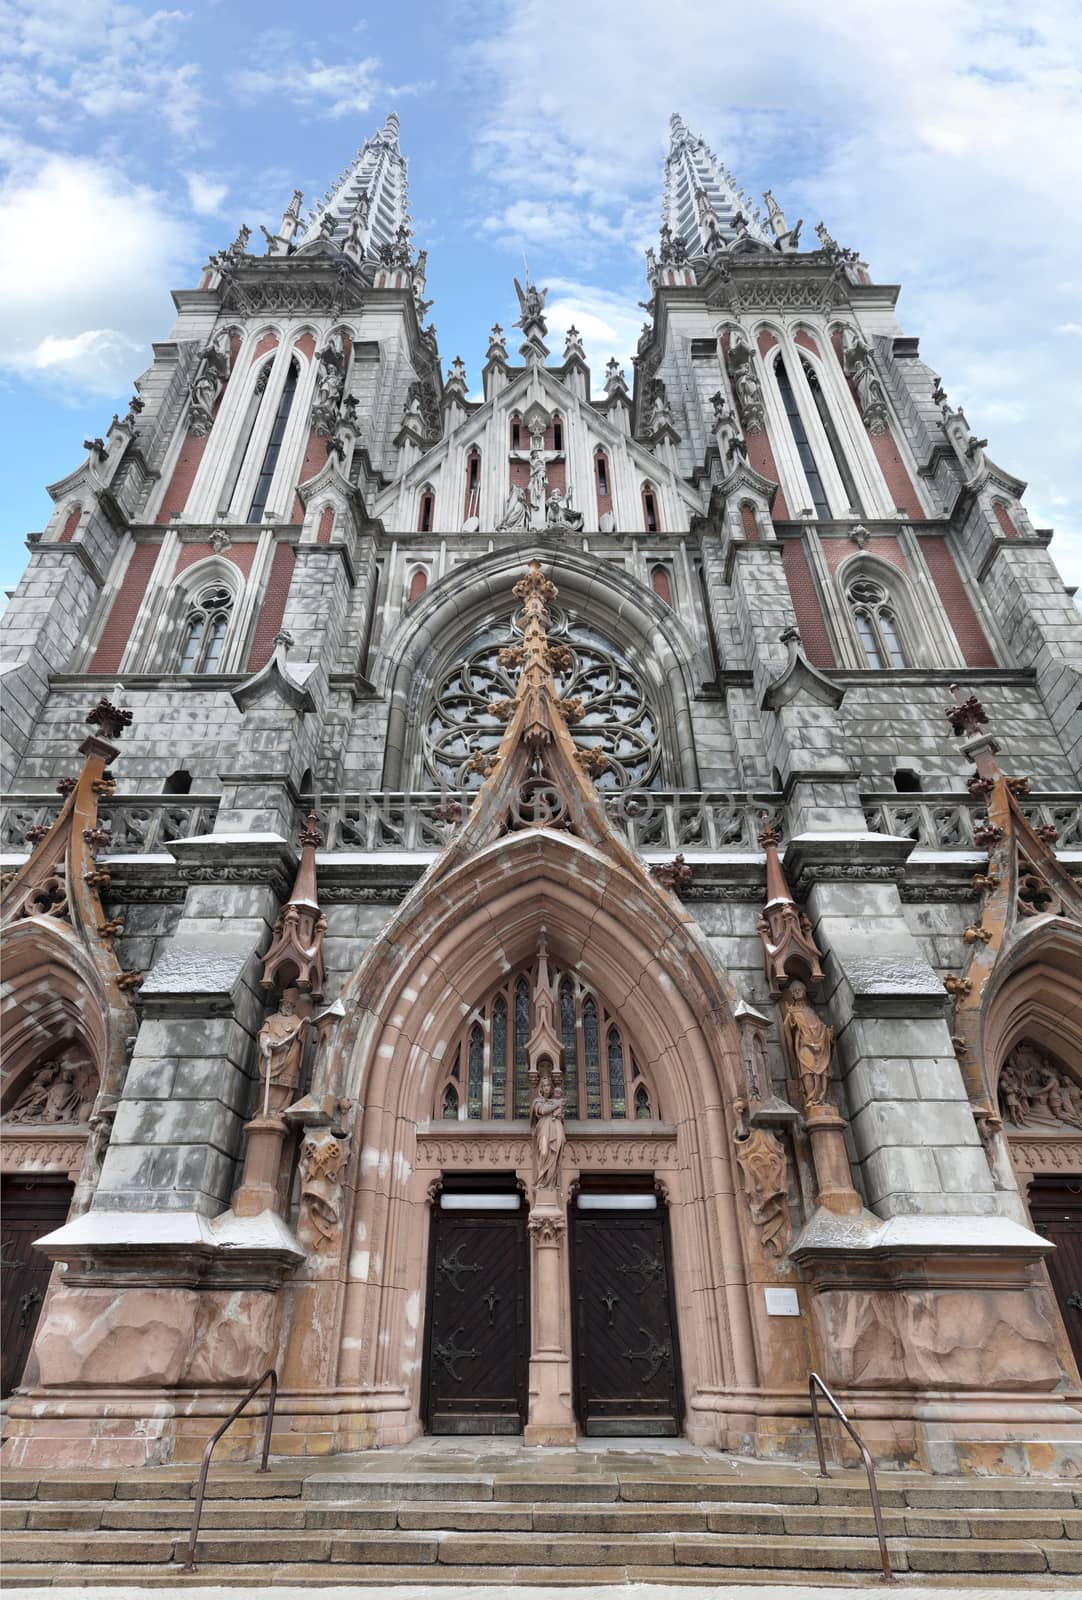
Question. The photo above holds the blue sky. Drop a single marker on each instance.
(944, 142)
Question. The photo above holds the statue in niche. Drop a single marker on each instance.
(516, 513)
(746, 386)
(208, 383)
(1032, 1088)
(857, 360)
(811, 1042)
(60, 1091)
(281, 1051)
(547, 1122)
(538, 472)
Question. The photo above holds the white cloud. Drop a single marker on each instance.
(1069, 327)
(330, 89)
(608, 321)
(83, 315)
(205, 195)
(932, 139)
(99, 58)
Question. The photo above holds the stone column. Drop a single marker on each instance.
(551, 1415)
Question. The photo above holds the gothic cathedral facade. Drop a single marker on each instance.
(549, 913)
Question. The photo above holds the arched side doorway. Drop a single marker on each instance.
(1033, 1049)
(55, 1042)
(406, 1016)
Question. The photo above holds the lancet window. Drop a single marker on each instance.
(489, 1080)
(274, 446)
(205, 627)
(618, 715)
(800, 439)
(876, 622)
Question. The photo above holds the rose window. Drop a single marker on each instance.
(618, 718)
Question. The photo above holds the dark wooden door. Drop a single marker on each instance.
(477, 1348)
(31, 1207)
(1055, 1204)
(627, 1362)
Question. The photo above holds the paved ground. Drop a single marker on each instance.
(631, 1591)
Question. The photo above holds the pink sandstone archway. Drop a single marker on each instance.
(404, 1007)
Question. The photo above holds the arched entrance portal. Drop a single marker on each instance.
(636, 990)
(1033, 1043)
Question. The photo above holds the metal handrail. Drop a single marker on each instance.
(189, 1565)
(814, 1382)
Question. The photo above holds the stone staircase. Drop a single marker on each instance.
(565, 1517)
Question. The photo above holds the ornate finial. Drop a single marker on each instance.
(674, 875)
(310, 834)
(110, 720)
(768, 831)
(965, 716)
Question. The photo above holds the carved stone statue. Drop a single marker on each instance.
(857, 361)
(516, 513)
(1032, 1088)
(281, 1051)
(559, 513)
(549, 1136)
(207, 385)
(538, 473)
(240, 243)
(58, 1092)
(746, 386)
(531, 302)
(761, 1159)
(330, 381)
(811, 1041)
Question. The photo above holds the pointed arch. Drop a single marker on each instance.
(456, 936)
(1035, 992)
(438, 628)
(199, 618)
(884, 617)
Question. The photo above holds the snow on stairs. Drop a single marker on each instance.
(626, 1520)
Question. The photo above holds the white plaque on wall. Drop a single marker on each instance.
(782, 1303)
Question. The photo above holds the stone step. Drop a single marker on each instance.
(743, 1520)
(170, 1580)
(320, 1550)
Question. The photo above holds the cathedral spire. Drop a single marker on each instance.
(703, 203)
(367, 205)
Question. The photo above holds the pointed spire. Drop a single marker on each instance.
(789, 950)
(703, 206)
(367, 207)
(295, 957)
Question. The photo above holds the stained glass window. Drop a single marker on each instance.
(617, 1101)
(522, 1039)
(499, 1056)
(619, 717)
(602, 1079)
(567, 1038)
(476, 1069)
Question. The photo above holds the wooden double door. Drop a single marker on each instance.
(625, 1356)
(29, 1208)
